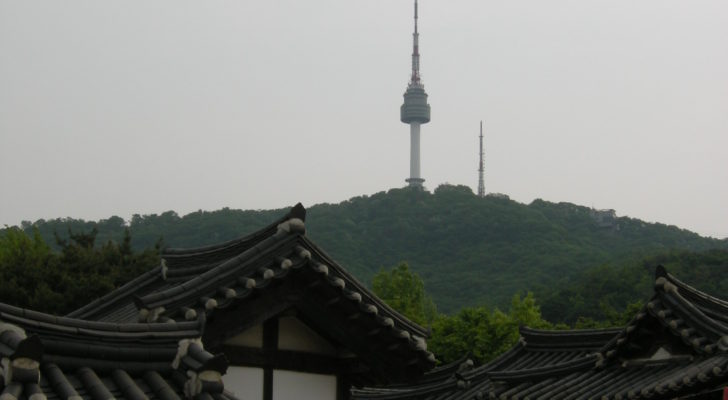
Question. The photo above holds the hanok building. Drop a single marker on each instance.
(676, 347)
(292, 322)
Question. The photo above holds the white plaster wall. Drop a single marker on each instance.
(295, 335)
(246, 383)
(289, 385)
(253, 337)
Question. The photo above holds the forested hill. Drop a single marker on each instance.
(468, 250)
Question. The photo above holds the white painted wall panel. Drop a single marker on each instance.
(295, 335)
(246, 383)
(289, 385)
(252, 337)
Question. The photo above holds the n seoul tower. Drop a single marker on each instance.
(415, 111)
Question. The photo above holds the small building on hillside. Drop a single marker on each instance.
(292, 323)
(605, 218)
(676, 347)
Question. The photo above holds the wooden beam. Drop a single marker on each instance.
(291, 361)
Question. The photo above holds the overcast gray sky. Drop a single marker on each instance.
(121, 107)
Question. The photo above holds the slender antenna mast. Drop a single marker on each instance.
(481, 183)
(415, 80)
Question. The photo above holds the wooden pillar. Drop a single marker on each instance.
(270, 345)
(343, 388)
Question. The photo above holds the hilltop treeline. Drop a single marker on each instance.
(600, 293)
(469, 250)
(34, 275)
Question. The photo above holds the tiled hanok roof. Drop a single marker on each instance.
(272, 270)
(675, 347)
(45, 357)
(178, 266)
(536, 348)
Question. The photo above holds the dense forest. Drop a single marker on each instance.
(470, 251)
(600, 293)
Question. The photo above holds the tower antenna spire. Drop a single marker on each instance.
(481, 169)
(415, 53)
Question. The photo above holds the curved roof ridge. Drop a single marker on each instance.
(179, 266)
(38, 321)
(502, 359)
(462, 365)
(362, 289)
(297, 211)
(683, 318)
(551, 339)
(544, 371)
(451, 387)
(693, 293)
(124, 290)
(693, 305)
(407, 392)
(564, 332)
(209, 280)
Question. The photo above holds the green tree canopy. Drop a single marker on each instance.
(404, 291)
(596, 295)
(482, 333)
(34, 276)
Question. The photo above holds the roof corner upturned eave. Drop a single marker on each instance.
(689, 315)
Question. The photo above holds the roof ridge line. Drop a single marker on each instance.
(410, 325)
(566, 332)
(661, 271)
(121, 291)
(214, 275)
(24, 317)
(544, 371)
(297, 211)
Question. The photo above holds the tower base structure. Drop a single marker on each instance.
(415, 182)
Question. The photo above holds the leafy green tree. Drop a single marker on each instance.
(404, 291)
(24, 260)
(525, 312)
(482, 333)
(468, 331)
(34, 276)
(613, 318)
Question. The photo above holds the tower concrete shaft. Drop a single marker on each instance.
(415, 110)
(415, 179)
(481, 169)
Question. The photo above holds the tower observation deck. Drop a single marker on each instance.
(415, 111)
